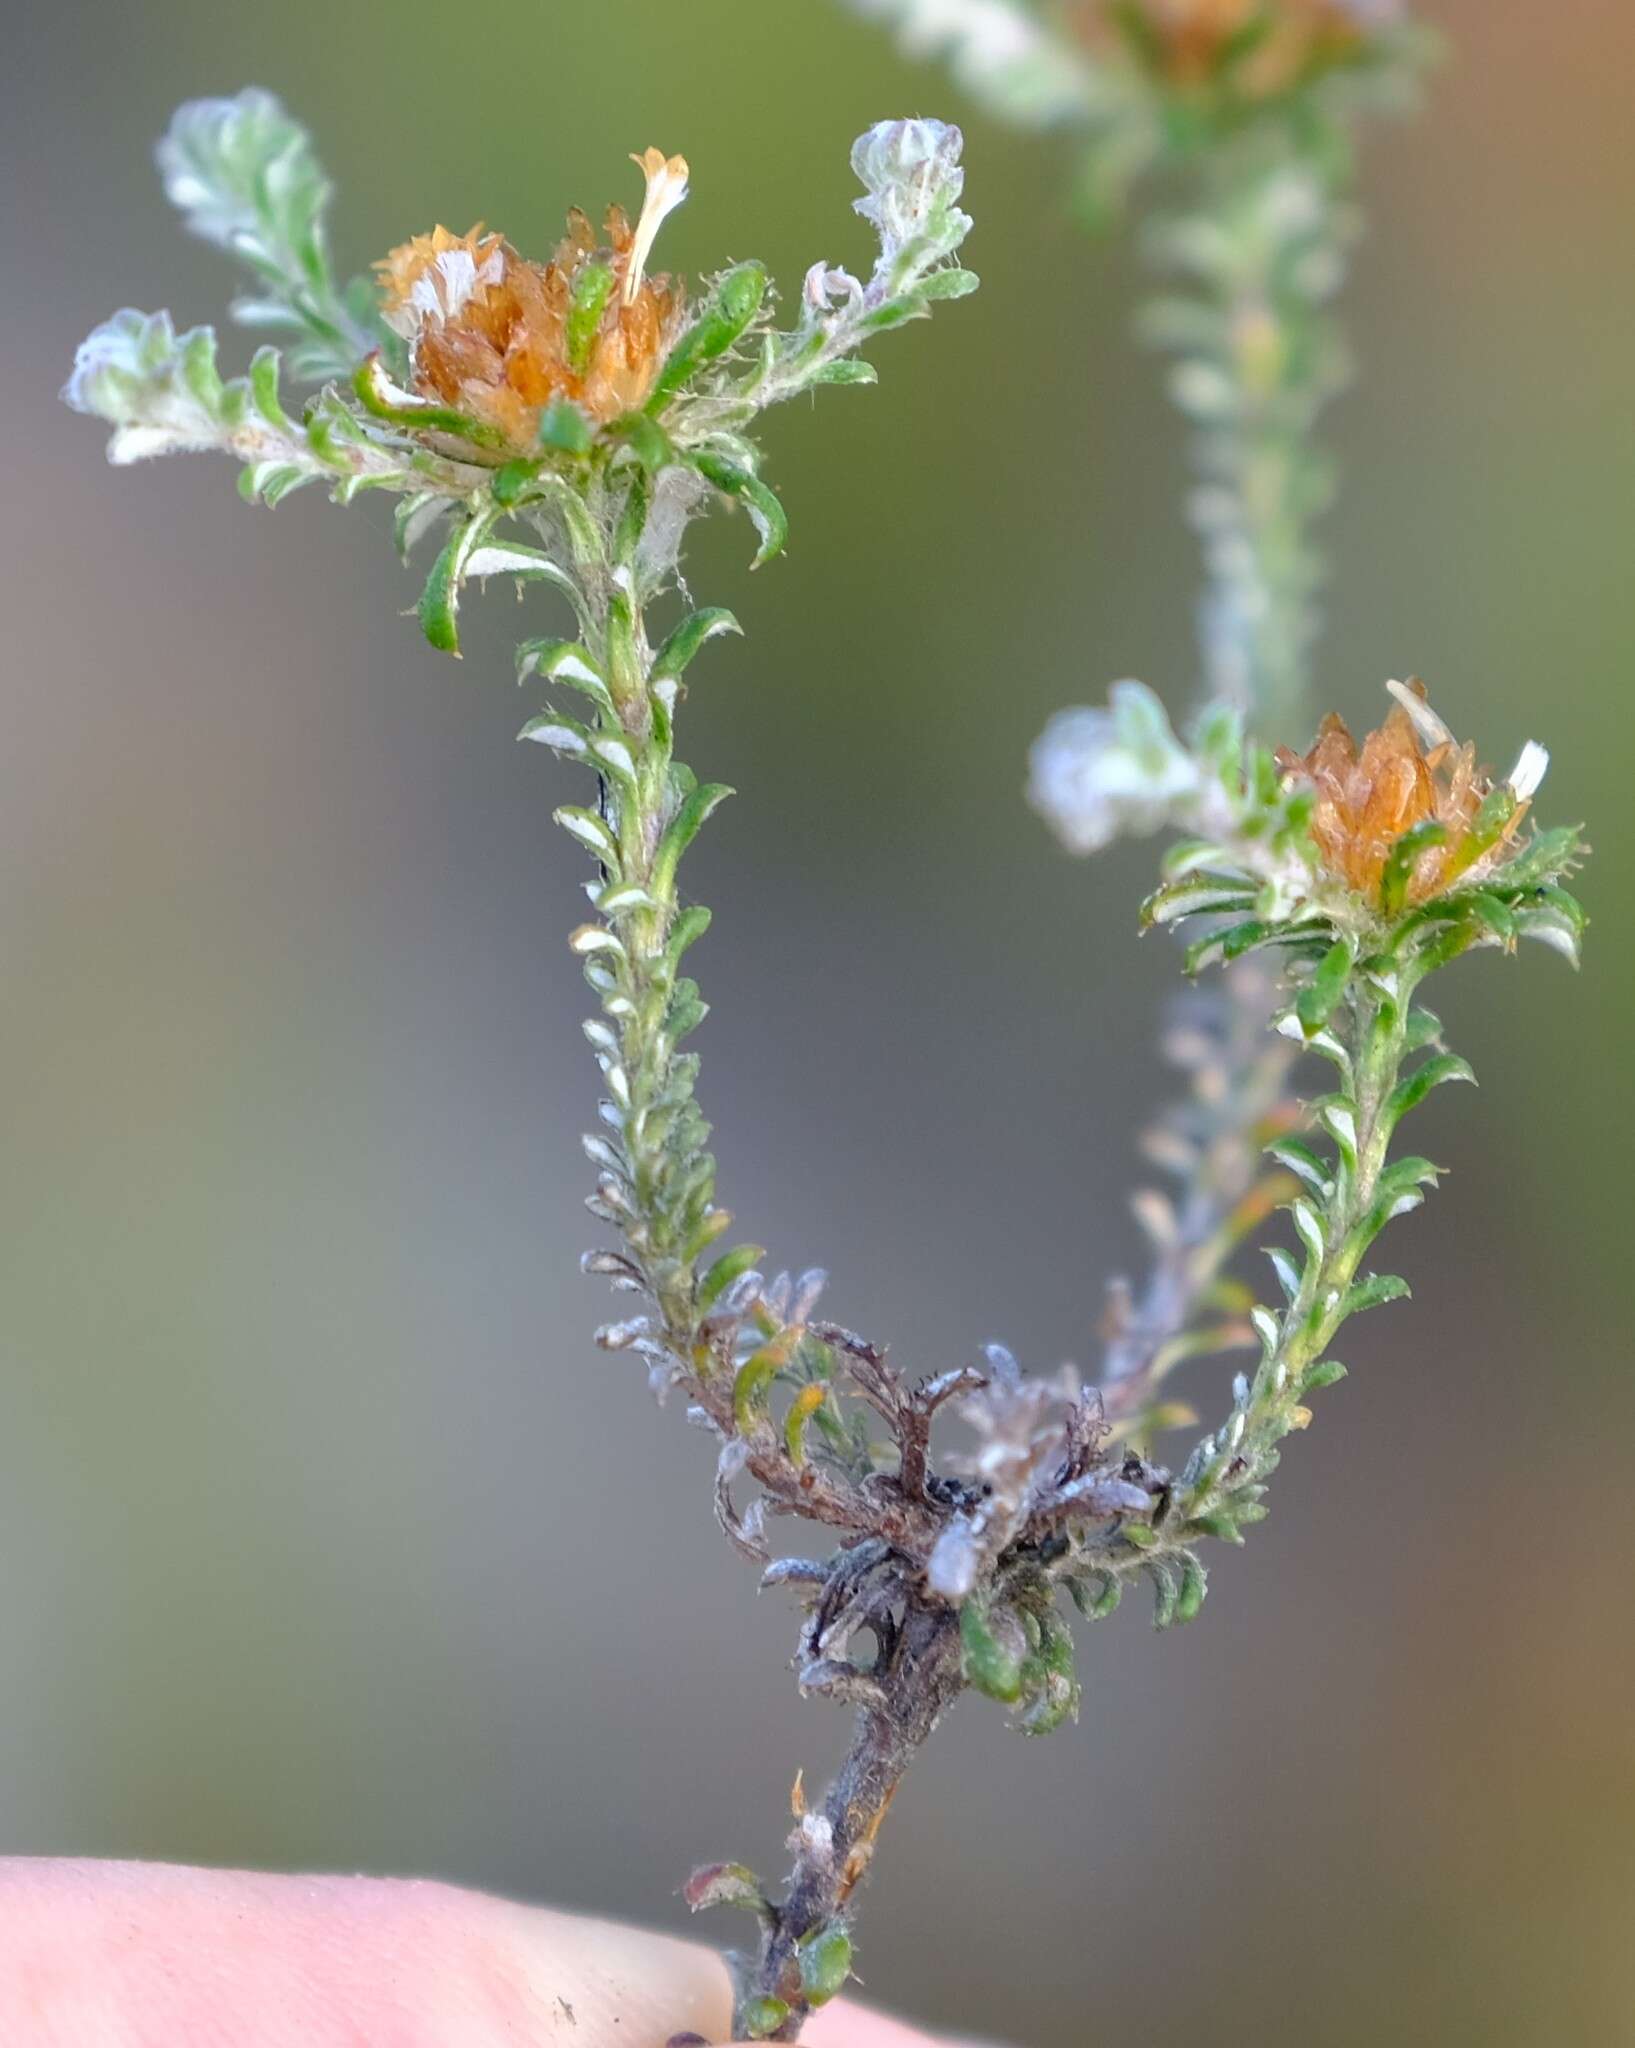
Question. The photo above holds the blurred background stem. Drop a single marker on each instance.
(1257, 254)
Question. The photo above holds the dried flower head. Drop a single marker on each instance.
(500, 338)
(1409, 773)
(1264, 47)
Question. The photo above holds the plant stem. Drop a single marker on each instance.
(918, 1683)
(1223, 1480)
(1262, 248)
(1214, 1140)
(657, 1185)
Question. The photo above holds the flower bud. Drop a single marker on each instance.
(911, 169)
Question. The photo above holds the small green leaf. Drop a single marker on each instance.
(1055, 1700)
(1328, 1374)
(1196, 894)
(1546, 856)
(1399, 865)
(895, 313)
(1338, 1115)
(682, 830)
(1230, 944)
(1315, 1003)
(1194, 1585)
(646, 440)
(993, 1667)
(565, 736)
(1562, 902)
(1410, 1093)
(762, 505)
(825, 1963)
(1308, 1225)
(1287, 1270)
(801, 1410)
(1424, 1028)
(688, 928)
(513, 480)
(1411, 1171)
(686, 1012)
(755, 1376)
(387, 401)
(1097, 1597)
(1553, 925)
(672, 660)
(272, 481)
(263, 378)
(1050, 1682)
(565, 661)
(564, 429)
(1495, 914)
(726, 1269)
(587, 302)
(948, 284)
(848, 370)
(1374, 1291)
(1487, 828)
(1301, 1161)
(440, 600)
(733, 306)
(415, 516)
(527, 564)
(592, 831)
(761, 2018)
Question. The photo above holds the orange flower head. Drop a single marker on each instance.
(1192, 39)
(499, 338)
(1410, 771)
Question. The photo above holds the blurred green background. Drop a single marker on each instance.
(326, 1539)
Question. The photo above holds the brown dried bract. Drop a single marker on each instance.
(490, 331)
(1406, 773)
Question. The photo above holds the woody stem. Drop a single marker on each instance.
(919, 1679)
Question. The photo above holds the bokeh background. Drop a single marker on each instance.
(326, 1539)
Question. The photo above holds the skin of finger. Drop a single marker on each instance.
(842, 2025)
(123, 1955)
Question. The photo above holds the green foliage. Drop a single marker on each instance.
(1050, 1692)
(671, 662)
(766, 514)
(1020, 1652)
(163, 392)
(993, 1657)
(245, 176)
(760, 2018)
(734, 304)
(825, 1963)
